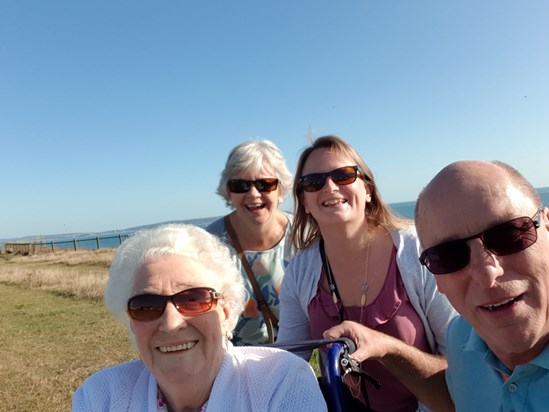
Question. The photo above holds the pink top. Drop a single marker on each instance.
(390, 313)
(163, 405)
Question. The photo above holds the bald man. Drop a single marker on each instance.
(485, 236)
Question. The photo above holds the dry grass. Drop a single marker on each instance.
(80, 273)
(100, 257)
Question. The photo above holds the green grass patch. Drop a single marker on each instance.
(50, 344)
(314, 362)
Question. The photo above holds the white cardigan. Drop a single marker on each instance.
(251, 379)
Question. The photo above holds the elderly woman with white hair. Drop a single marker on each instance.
(179, 295)
(254, 182)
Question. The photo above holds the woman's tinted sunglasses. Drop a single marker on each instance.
(190, 302)
(342, 176)
(243, 186)
(503, 239)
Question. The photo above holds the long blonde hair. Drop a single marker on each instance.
(305, 229)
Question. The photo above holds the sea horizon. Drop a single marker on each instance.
(405, 209)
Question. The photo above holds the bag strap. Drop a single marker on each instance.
(271, 321)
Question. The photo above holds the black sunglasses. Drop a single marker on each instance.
(503, 239)
(190, 302)
(341, 176)
(243, 186)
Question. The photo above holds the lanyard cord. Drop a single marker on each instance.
(331, 280)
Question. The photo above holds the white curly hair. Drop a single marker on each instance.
(172, 240)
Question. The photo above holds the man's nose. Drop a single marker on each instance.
(485, 266)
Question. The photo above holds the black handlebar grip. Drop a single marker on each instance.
(351, 347)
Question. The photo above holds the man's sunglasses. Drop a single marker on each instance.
(190, 302)
(342, 176)
(503, 239)
(243, 186)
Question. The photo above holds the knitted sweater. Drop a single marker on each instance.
(250, 379)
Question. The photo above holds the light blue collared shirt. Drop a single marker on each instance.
(475, 381)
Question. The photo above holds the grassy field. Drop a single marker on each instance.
(53, 337)
(81, 273)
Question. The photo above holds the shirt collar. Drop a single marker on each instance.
(476, 344)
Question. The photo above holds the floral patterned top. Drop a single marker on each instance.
(268, 266)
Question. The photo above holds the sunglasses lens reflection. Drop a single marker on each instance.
(243, 186)
(239, 186)
(190, 302)
(266, 185)
(194, 301)
(342, 176)
(313, 182)
(501, 240)
(446, 258)
(511, 237)
(146, 307)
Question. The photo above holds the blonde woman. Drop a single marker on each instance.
(358, 261)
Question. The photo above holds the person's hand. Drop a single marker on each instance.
(369, 343)
(422, 373)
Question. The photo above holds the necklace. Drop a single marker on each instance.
(364, 287)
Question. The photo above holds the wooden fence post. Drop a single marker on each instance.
(74, 242)
(97, 241)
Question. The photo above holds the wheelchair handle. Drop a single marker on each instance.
(337, 358)
(333, 373)
(347, 344)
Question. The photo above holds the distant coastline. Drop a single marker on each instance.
(404, 208)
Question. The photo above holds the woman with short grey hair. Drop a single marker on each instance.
(255, 155)
(179, 295)
(169, 240)
(254, 182)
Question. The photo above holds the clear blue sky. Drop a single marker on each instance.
(116, 114)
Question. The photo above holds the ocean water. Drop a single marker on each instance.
(112, 239)
(406, 209)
